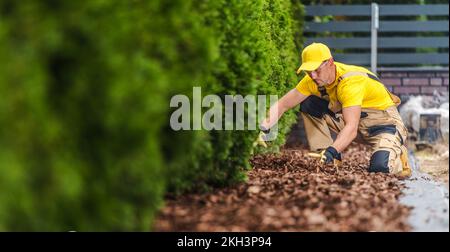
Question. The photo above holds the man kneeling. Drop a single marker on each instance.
(346, 99)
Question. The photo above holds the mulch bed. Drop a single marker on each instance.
(287, 192)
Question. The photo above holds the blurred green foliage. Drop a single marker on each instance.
(85, 142)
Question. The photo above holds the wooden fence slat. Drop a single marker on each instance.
(383, 42)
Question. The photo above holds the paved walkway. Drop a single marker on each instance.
(429, 199)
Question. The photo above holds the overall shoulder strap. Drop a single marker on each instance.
(394, 98)
(356, 73)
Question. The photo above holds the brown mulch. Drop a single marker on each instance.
(285, 192)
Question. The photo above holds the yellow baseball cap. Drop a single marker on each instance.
(313, 55)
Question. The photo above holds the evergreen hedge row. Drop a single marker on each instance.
(85, 142)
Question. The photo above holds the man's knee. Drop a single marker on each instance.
(379, 162)
(314, 106)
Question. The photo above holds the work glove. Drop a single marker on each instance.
(330, 155)
(261, 140)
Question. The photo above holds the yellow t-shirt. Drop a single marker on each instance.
(351, 91)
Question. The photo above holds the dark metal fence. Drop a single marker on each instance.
(382, 37)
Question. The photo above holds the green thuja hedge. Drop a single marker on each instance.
(86, 143)
(257, 54)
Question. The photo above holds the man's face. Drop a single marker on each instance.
(323, 75)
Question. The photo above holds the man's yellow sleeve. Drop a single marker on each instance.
(303, 88)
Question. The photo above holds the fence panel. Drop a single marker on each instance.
(400, 43)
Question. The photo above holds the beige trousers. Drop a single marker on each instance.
(383, 130)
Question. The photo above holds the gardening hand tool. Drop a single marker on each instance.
(261, 140)
(327, 156)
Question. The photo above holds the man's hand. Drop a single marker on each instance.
(262, 137)
(261, 140)
(329, 155)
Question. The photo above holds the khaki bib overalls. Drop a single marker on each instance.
(383, 130)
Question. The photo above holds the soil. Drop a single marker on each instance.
(290, 191)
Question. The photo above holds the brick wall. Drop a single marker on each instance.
(406, 83)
